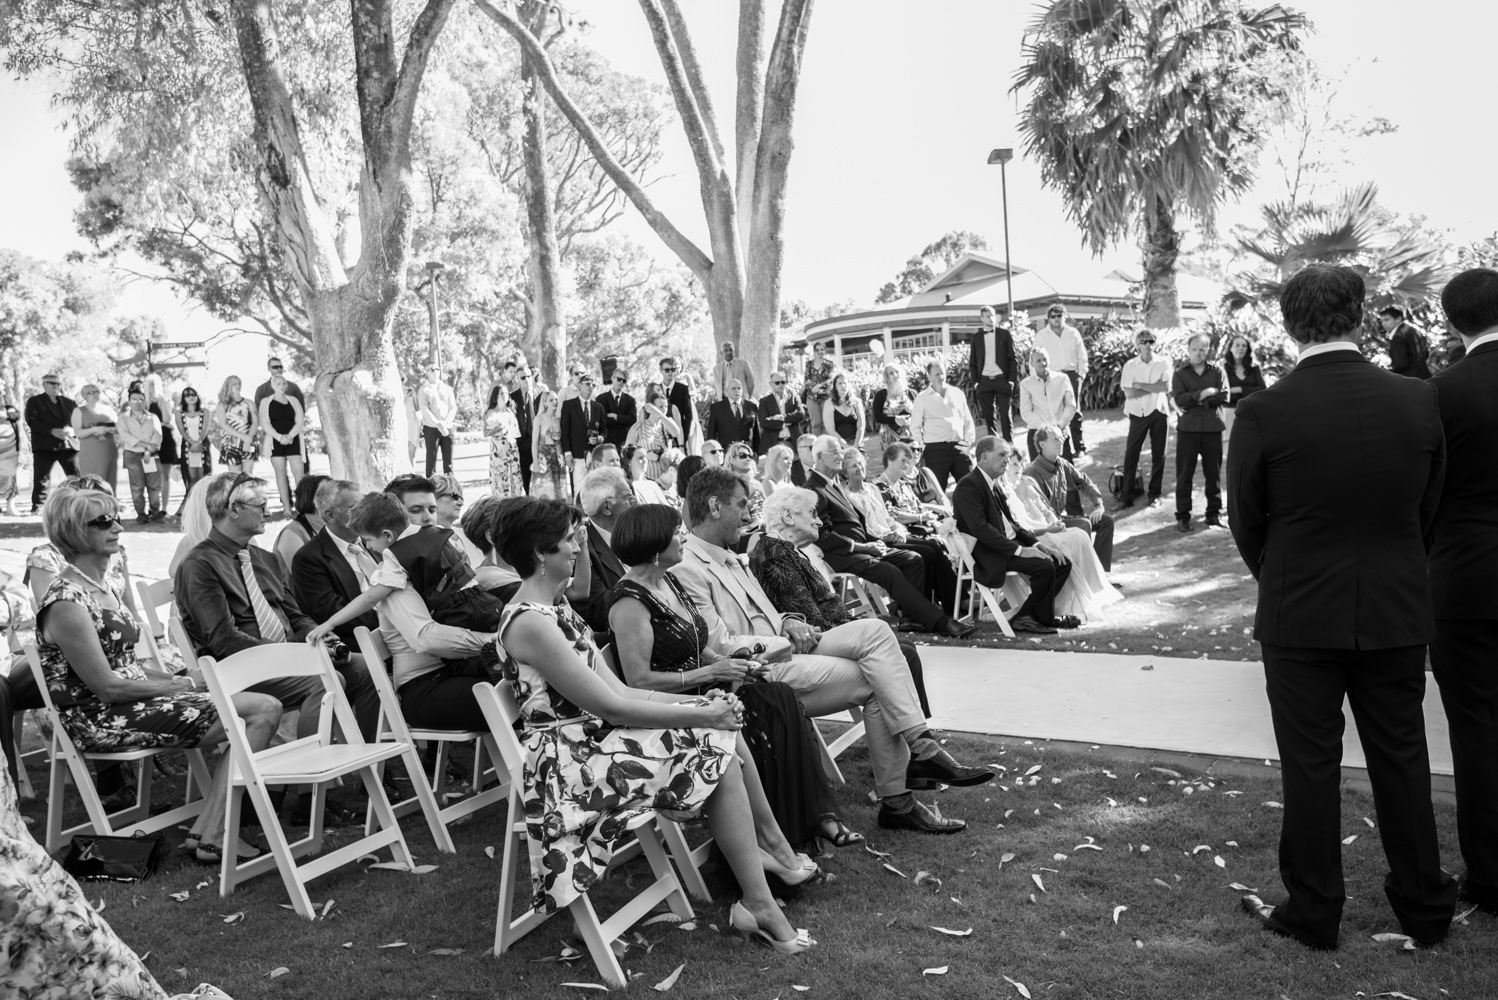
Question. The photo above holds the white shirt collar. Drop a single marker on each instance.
(992, 483)
(1327, 348)
(1487, 338)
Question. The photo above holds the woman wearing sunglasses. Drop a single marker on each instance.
(192, 431)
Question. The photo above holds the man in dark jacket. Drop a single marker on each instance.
(524, 399)
(49, 421)
(993, 374)
(733, 419)
(618, 410)
(1409, 352)
(581, 429)
(1197, 389)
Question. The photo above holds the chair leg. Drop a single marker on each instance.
(280, 848)
(687, 872)
(591, 930)
(375, 789)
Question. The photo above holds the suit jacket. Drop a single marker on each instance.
(725, 429)
(1334, 477)
(43, 416)
(1408, 352)
(981, 513)
(798, 473)
(727, 602)
(977, 357)
(615, 431)
(525, 416)
(576, 426)
(773, 417)
(1464, 553)
(323, 583)
(679, 397)
(793, 584)
(842, 521)
(607, 570)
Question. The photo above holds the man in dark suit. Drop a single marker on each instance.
(849, 547)
(804, 463)
(781, 416)
(1409, 352)
(618, 410)
(1463, 557)
(993, 374)
(605, 495)
(524, 398)
(678, 397)
(733, 419)
(1002, 546)
(49, 421)
(1334, 477)
(581, 428)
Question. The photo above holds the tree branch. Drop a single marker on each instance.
(424, 34)
(748, 105)
(692, 67)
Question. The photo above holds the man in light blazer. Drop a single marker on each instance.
(856, 664)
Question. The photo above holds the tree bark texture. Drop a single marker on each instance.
(1162, 248)
(545, 343)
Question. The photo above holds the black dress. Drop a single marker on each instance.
(776, 728)
(1251, 382)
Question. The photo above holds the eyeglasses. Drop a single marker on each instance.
(104, 521)
(778, 381)
(277, 368)
(456, 498)
(1146, 340)
(741, 454)
(621, 381)
(669, 371)
(250, 503)
(50, 382)
(1053, 315)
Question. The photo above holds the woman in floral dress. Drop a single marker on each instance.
(655, 431)
(502, 428)
(817, 386)
(548, 473)
(236, 425)
(598, 752)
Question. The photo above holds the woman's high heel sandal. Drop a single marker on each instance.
(804, 872)
(741, 920)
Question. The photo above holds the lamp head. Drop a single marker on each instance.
(1000, 156)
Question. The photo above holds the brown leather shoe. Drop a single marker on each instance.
(920, 818)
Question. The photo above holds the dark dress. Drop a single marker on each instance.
(1251, 382)
(776, 728)
(168, 453)
(845, 424)
(282, 421)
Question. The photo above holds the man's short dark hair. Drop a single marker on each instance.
(510, 364)
(985, 445)
(1471, 300)
(532, 525)
(1322, 302)
(378, 512)
(709, 482)
(643, 532)
(410, 482)
(898, 450)
(1393, 312)
(595, 457)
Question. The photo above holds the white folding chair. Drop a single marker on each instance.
(855, 590)
(960, 547)
(153, 596)
(67, 761)
(314, 760)
(499, 708)
(392, 727)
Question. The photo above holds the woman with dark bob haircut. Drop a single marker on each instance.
(597, 750)
(662, 643)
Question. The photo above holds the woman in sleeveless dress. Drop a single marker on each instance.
(597, 752)
(192, 431)
(282, 419)
(1087, 590)
(161, 405)
(98, 450)
(236, 426)
(548, 474)
(655, 431)
(503, 429)
(10, 456)
(841, 414)
(662, 643)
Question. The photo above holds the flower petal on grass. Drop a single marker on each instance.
(951, 933)
(181, 897)
(233, 918)
(1273, 805)
(1406, 943)
(1369, 822)
(1162, 883)
(489, 852)
(277, 972)
(1024, 990)
(1086, 847)
(1348, 840)
(669, 981)
(395, 866)
(1039, 882)
(1034, 770)
(1116, 911)
(421, 869)
(662, 918)
(1199, 848)
(1217, 860)
(940, 970)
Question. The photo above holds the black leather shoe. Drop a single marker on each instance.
(1263, 913)
(1125, 504)
(1183, 524)
(954, 629)
(942, 769)
(1484, 903)
(1063, 621)
(919, 818)
(1024, 623)
(1212, 521)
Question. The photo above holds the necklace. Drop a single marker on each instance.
(101, 587)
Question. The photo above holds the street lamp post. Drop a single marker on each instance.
(434, 347)
(1002, 157)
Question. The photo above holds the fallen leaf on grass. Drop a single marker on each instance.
(181, 897)
(890, 867)
(662, 918)
(1217, 860)
(395, 866)
(800, 989)
(669, 981)
(1272, 805)
(1058, 857)
(402, 944)
(1397, 995)
(1461, 918)
(202, 885)
(1086, 847)
(1199, 848)
(446, 951)
(1232, 843)
(926, 878)
(1162, 883)
(1369, 822)
(277, 972)
(587, 986)
(881, 855)
(687, 925)
(1166, 771)
(1024, 991)
(1039, 882)
(1241, 887)
(421, 869)
(1144, 848)
(1033, 770)
(233, 918)
(348, 944)
(1406, 943)
(1348, 840)
(951, 933)
(1116, 911)
(328, 906)
(489, 853)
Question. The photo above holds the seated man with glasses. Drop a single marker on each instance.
(1145, 380)
(781, 415)
(618, 410)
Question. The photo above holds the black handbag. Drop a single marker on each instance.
(116, 859)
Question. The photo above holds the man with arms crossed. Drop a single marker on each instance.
(1145, 380)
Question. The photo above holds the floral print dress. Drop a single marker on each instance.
(504, 455)
(584, 779)
(176, 720)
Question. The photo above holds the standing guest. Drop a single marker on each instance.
(1067, 351)
(237, 427)
(656, 432)
(1243, 378)
(1197, 390)
(581, 428)
(1045, 400)
(942, 426)
(1064, 490)
(274, 366)
(1463, 556)
(842, 414)
(305, 523)
(780, 415)
(523, 402)
(804, 462)
(679, 398)
(550, 470)
(1334, 476)
(94, 425)
(140, 440)
(502, 427)
(192, 431)
(1001, 546)
(49, 422)
(993, 371)
(1145, 381)
(283, 420)
(10, 457)
(1409, 351)
(733, 418)
(891, 408)
(815, 387)
(729, 369)
(437, 405)
(160, 404)
(618, 410)
(575, 375)
(778, 468)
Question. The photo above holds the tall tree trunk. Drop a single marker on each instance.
(1162, 248)
(545, 342)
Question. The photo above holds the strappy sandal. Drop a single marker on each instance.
(842, 835)
(213, 854)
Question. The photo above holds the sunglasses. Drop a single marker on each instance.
(52, 383)
(104, 521)
(669, 371)
(779, 381)
(621, 381)
(742, 454)
(1147, 340)
(450, 496)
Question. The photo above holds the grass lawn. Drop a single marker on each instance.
(1159, 836)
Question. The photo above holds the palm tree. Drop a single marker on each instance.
(1144, 111)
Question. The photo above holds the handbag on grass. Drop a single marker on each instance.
(117, 859)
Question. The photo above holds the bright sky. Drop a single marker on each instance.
(898, 108)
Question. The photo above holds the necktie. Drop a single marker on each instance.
(271, 629)
(736, 414)
(363, 562)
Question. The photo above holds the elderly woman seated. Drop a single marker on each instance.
(105, 699)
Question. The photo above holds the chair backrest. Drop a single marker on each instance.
(960, 547)
(500, 711)
(376, 654)
(153, 596)
(183, 642)
(274, 660)
(34, 658)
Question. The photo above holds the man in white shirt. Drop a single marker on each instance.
(437, 406)
(942, 425)
(1068, 353)
(1045, 400)
(727, 370)
(1145, 381)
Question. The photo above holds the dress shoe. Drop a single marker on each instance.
(1263, 913)
(1024, 623)
(1154, 503)
(1126, 503)
(954, 629)
(1183, 524)
(941, 768)
(1063, 621)
(920, 818)
(1485, 903)
(1212, 521)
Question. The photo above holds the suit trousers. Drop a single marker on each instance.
(941, 579)
(144, 485)
(41, 472)
(860, 664)
(901, 573)
(994, 395)
(945, 461)
(1207, 445)
(1463, 657)
(1154, 426)
(523, 445)
(1385, 688)
(1076, 420)
(1046, 578)
(435, 439)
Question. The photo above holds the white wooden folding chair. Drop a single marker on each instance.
(68, 761)
(960, 546)
(153, 596)
(392, 727)
(854, 590)
(499, 708)
(314, 760)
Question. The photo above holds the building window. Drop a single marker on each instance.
(912, 343)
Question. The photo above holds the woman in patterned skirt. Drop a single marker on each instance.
(236, 426)
(598, 752)
(503, 429)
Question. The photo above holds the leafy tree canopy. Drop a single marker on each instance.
(927, 265)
